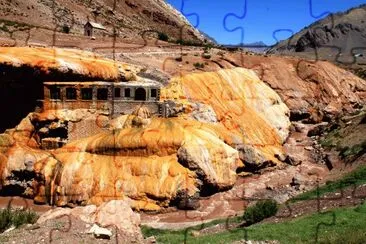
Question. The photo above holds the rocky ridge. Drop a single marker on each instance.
(342, 30)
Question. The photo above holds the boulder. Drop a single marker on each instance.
(100, 232)
(113, 214)
(119, 214)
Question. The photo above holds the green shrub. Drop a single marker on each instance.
(260, 211)
(66, 29)
(221, 53)
(353, 151)
(163, 37)
(5, 219)
(206, 55)
(188, 43)
(199, 65)
(16, 217)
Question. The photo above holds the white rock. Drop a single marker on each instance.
(100, 232)
(10, 229)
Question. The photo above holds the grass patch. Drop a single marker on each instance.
(355, 178)
(178, 236)
(343, 225)
(331, 139)
(353, 151)
(16, 217)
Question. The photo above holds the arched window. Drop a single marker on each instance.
(140, 94)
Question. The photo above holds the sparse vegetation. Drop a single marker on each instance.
(355, 150)
(66, 29)
(260, 211)
(188, 43)
(163, 37)
(329, 141)
(199, 65)
(206, 55)
(16, 217)
(354, 178)
(179, 59)
(5, 25)
(221, 53)
(360, 72)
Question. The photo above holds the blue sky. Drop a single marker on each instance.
(261, 19)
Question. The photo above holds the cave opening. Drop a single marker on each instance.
(20, 92)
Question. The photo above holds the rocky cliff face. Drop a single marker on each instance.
(128, 18)
(313, 90)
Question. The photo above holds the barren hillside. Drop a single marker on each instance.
(346, 31)
(127, 18)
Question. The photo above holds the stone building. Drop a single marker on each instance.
(107, 99)
(94, 29)
(113, 98)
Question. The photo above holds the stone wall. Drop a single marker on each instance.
(86, 128)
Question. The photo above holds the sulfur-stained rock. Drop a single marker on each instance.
(243, 104)
(140, 164)
(73, 62)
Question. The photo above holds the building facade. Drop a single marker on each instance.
(113, 98)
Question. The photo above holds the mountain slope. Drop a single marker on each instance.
(342, 32)
(128, 17)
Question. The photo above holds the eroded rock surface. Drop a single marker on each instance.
(241, 102)
(148, 165)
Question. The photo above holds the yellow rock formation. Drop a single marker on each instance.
(150, 161)
(243, 104)
(75, 61)
(140, 164)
